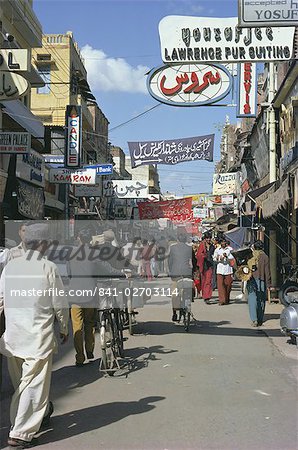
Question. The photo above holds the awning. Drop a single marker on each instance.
(276, 200)
(24, 117)
(255, 198)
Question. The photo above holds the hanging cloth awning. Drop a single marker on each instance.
(255, 198)
(276, 200)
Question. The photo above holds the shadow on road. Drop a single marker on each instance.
(203, 327)
(84, 420)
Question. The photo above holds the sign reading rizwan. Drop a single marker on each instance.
(208, 39)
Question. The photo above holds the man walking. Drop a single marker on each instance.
(258, 284)
(29, 294)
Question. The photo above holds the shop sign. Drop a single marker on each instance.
(268, 13)
(12, 86)
(88, 191)
(190, 84)
(14, 143)
(208, 39)
(126, 188)
(102, 169)
(15, 60)
(68, 176)
(73, 141)
(227, 199)
(31, 167)
(172, 151)
(54, 159)
(200, 213)
(247, 90)
(225, 183)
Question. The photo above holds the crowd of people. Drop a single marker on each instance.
(28, 340)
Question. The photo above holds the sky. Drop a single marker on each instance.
(119, 41)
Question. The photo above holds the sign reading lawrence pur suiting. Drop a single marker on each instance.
(208, 39)
(172, 152)
(73, 141)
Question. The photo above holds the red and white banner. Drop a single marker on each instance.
(247, 90)
(175, 210)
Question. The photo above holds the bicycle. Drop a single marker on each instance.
(185, 292)
(111, 329)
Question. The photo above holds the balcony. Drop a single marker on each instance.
(22, 14)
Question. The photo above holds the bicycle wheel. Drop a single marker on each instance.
(119, 332)
(106, 341)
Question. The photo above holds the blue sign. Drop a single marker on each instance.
(102, 169)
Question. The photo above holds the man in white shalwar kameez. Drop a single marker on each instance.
(31, 293)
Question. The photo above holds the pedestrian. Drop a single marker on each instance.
(20, 249)
(153, 256)
(132, 252)
(30, 294)
(83, 281)
(196, 270)
(258, 284)
(180, 266)
(146, 260)
(224, 271)
(205, 264)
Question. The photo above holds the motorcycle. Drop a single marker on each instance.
(289, 315)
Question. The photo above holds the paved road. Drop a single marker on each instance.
(222, 386)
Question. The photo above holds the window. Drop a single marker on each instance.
(45, 73)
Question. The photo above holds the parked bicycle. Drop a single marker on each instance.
(290, 285)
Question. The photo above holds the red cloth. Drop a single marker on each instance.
(206, 280)
(201, 255)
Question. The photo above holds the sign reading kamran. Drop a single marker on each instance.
(207, 39)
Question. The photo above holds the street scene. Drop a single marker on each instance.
(148, 224)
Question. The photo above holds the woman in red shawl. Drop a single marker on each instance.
(205, 263)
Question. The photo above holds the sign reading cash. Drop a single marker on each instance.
(268, 13)
(73, 141)
(247, 90)
(190, 84)
(172, 152)
(207, 39)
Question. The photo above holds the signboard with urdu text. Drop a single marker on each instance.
(172, 152)
(126, 188)
(190, 84)
(175, 210)
(208, 39)
(269, 13)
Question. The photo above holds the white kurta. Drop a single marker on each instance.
(30, 287)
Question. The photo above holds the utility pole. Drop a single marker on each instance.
(272, 166)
